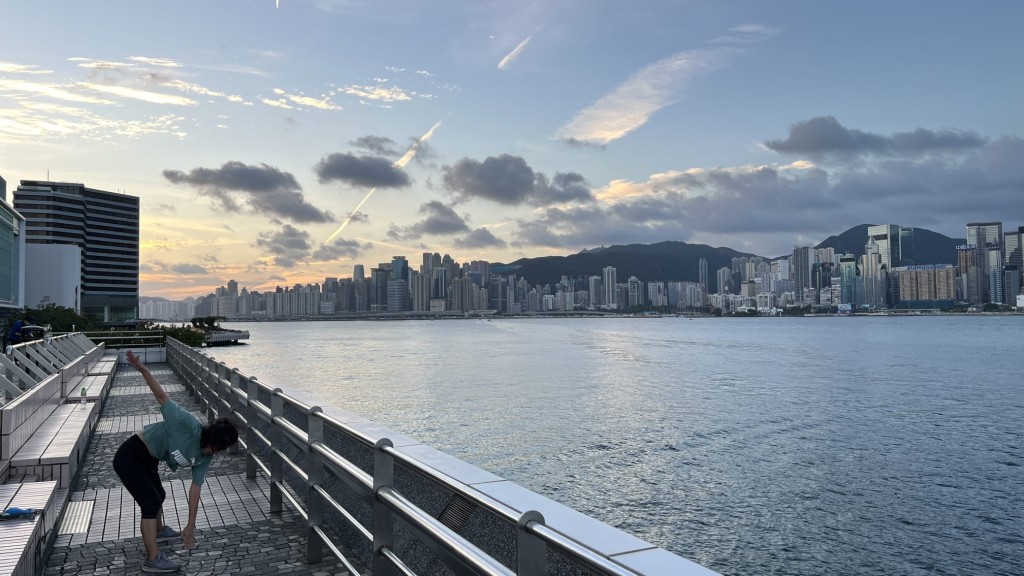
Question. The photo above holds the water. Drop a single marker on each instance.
(753, 446)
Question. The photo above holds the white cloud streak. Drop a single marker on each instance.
(511, 56)
(632, 104)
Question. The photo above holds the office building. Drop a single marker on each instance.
(609, 283)
(12, 256)
(895, 244)
(104, 226)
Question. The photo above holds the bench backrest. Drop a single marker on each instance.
(21, 417)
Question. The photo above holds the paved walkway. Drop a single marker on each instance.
(235, 531)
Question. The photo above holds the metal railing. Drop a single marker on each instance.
(127, 338)
(225, 391)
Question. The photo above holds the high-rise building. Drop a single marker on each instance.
(987, 238)
(104, 226)
(800, 267)
(848, 279)
(609, 283)
(1013, 248)
(895, 244)
(12, 256)
(702, 275)
(594, 285)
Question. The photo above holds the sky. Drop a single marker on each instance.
(280, 142)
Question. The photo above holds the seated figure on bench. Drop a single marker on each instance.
(179, 440)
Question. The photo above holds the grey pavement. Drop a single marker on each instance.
(236, 532)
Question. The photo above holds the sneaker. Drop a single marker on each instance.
(160, 564)
(167, 533)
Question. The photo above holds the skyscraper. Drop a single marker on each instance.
(611, 287)
(104, 226)
(895, 244)
(800, 267)
(987, 239)
(12, 256)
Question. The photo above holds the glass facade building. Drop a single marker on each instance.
(105, 226)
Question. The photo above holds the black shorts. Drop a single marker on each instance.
(137, 469)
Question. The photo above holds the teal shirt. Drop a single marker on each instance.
(176, 441)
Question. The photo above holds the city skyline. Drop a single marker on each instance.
(300, 140)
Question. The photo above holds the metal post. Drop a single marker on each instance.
(235, 401)
(276, 443)
(531, 552)
(383, 522)
(210, 389)
(315, 469)
(250, 435)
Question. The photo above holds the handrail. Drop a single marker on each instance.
(461, 555)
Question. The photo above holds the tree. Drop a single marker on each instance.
(58, 318)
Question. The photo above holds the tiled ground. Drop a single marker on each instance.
(235, 531)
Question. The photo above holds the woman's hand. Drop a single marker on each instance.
(188, 537)
(135, 361)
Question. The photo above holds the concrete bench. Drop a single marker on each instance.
(57, 449)
(24, 540)
(21, 417)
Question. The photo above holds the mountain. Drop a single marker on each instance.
(674, 260)
(662, 261)
(929, 247)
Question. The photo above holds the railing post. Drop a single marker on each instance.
(314, 502)
(234, 401)
(276, 443)
(383, 522)
(531, 552)
(210, 389)
(251, 394)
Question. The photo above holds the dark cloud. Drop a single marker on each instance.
(211, 258)
(286, 247)
(366, 171)
(480, 238)
(768, 209)
(509, 180)
(359, 217)
(338, 249)
(440, 220)
(506, 179)
(824, 135)
(379, 145)
(262, 188)
(188, 269)
(564, 187)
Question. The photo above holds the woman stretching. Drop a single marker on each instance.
(180, 440)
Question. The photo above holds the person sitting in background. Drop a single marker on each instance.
(14, 334)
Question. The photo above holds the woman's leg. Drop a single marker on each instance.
(132, 462)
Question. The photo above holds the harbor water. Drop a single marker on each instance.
(798, 446)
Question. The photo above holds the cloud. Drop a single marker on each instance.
(824, 135)
(11, 67)
(366, 171)
(380, 145)
(480, 238)
(923, 178)
(285, 101)
(440, 220)
(514, 54)
(377, 93)
(747, 34)
(190, 269)
(338, 249)
(262, 188)
(631, 104)
(286, 247)
(509, 180)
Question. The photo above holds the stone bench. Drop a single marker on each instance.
(23, 540)
(57, 449)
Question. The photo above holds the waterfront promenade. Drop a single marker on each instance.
(236, 533)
